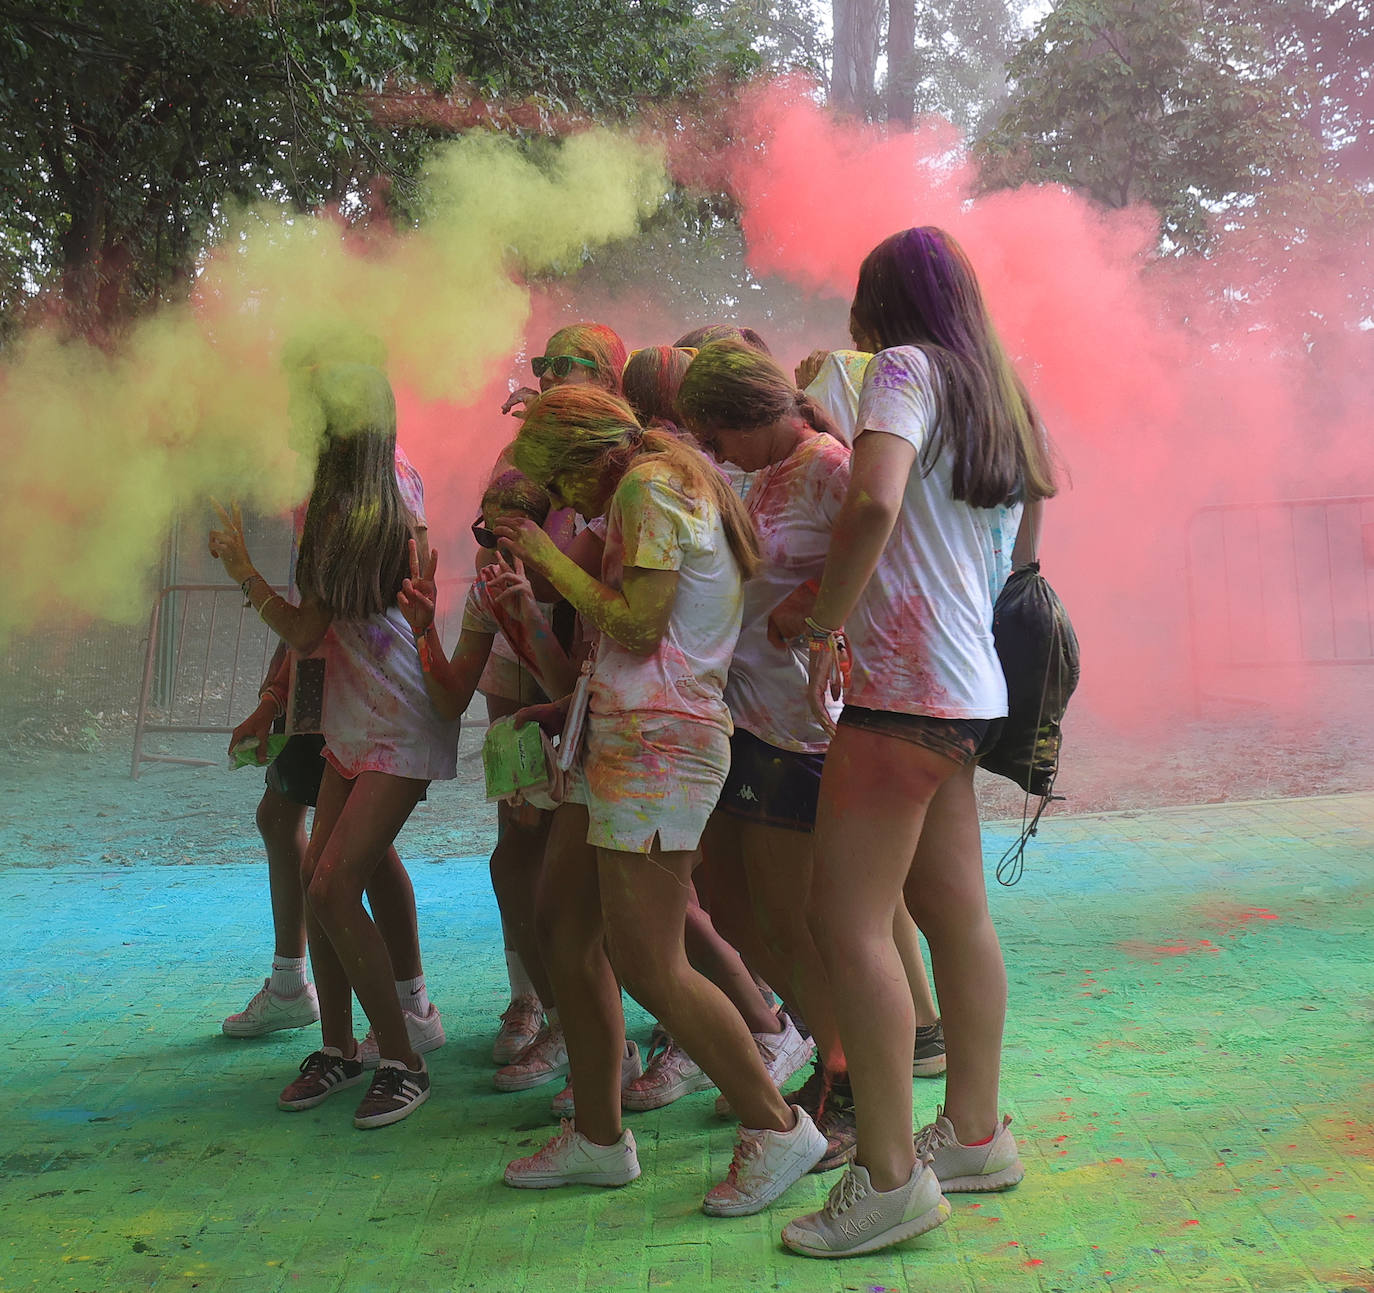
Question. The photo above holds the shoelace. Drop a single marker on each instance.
(566, 1132)
(387, 1082)
(518, 1010)
(660, 1044)
(318, 1062)
(747, 1148)
(844, 1194)
(931, 1138)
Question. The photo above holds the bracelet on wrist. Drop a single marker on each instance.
(819, 633)
(244, 586)
(266, 602)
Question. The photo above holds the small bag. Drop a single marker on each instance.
(1039, 653)
(519, 763)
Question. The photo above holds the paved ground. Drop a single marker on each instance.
(1188, 1063)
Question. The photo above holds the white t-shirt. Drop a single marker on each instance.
(653, 525)
(921, 633)
(793, 505)
(836, 388)
(377, 713)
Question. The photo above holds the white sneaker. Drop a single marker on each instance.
(765, 1164)
(520, 1025)
(270, 1013)
(782, 1054)
(571, 1159)
(857, 1218)
(630, 1068)
(426, 1033)
(970, 1169)
(544, 1060)
(671, 1074)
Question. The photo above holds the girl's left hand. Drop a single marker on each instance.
(524, 539)
(227, 545)
(827, 677)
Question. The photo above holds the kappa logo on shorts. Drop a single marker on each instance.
(747, 792)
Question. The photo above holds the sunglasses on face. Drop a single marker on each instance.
(487, 538)
(558, 365)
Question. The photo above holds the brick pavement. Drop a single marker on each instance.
(1188, 1063)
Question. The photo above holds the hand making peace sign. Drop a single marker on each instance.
(227, 545)
(419, 594)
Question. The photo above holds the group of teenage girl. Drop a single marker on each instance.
(759, 607)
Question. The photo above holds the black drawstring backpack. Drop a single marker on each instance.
(1038, 649)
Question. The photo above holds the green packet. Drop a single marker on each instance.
(245, 753)
(514, 758)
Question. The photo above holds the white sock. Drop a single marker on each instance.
(412, 995)
(520, 985)
(288, 975)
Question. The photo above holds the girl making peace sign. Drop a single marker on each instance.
(384, 742)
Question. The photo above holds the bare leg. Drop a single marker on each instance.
(710, 954)
(778, 864)
(572, 935)
(516, 864)
(908, 940)
(355, 823)
(947, 890)
(874, 794)
(644, 900)
(391, 897)
(281, 823)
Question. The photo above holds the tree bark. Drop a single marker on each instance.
(858, 33)
(901, 61)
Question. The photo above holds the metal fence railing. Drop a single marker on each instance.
(1287, 582)
(206, 656)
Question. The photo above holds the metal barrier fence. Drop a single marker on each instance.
(206, 656)
(1281, 583)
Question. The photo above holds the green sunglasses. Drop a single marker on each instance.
(559, 365)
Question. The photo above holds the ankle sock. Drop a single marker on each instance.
(412, 995)
(520, 985)
(288, 975)
(976, 1144)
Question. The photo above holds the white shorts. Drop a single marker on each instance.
(652, 777)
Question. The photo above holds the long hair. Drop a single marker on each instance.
(703, 336)
(732, 386)
(590, 432)
(353, 553)
(594, 341)
(651, 381)
(917, 288)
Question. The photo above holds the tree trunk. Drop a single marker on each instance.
(901, 60)
(858, 33)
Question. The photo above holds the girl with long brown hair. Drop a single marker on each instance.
(947, 449)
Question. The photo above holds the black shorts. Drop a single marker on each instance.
(960, 739)
(771, 786)
(296, 772)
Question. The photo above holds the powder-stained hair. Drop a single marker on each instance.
(594, 341)
(512, 491)
(353, 553)
(917, 288)
(730, 386)
(651, 382)
(586, 431)
(699, 337)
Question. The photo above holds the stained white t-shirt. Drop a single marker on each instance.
(653, 524)
(921, 633)
(793, 505)
(836, 388)
(377, 713)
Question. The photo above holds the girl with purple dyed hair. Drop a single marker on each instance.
(948, 450)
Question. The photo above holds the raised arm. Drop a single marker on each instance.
(635, 615)
(301, 627)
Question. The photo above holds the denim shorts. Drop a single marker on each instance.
(960, 739)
